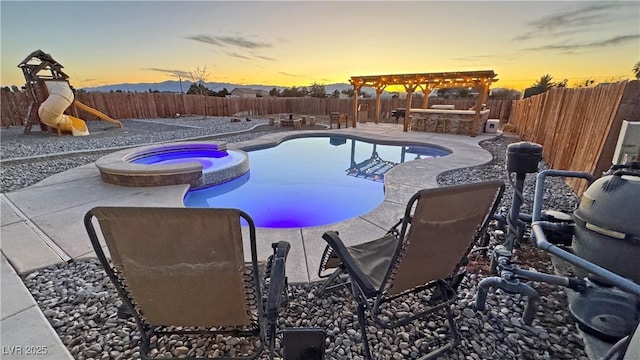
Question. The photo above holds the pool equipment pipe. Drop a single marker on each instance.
(540, 238)
(511, 280)
(511, 277)
(522, 158)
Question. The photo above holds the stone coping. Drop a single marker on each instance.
(118, 169)
(268, 142)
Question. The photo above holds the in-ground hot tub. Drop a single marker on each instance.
(195, 163)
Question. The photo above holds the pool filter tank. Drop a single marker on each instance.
(607, 222)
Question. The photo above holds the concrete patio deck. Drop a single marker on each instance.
(42, 224)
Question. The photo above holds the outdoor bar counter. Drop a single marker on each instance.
(447, 121)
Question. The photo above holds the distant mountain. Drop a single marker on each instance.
(165, 86)
(175, 86)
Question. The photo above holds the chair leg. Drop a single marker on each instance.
(329, 283)
(362, 321)
(145, 343)
(272, 339)
(363, 331)
(453, 332)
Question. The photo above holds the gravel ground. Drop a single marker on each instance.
(81, 303)
(103, 135)
(27, 159)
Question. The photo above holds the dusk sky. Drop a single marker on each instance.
(289, 43)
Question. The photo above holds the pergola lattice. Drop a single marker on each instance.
(481, 80)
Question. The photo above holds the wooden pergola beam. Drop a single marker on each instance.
(454, 79)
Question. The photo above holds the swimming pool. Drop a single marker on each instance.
(310, 181)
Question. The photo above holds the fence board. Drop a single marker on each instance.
(149, 105)
(573, 125)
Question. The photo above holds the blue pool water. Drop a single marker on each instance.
(310, 181)
(209, 158)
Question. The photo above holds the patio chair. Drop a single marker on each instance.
(339, 119)
(424, 260)
(182, 271)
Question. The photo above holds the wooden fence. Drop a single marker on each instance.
(578, 128)
(14, 106)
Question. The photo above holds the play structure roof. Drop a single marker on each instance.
(47, 62)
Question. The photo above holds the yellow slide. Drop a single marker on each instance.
(97, 113)
(52, 114)
(51, 111)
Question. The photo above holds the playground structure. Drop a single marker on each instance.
(52, 95)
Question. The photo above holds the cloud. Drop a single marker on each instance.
(205, 39)
(236, 55)
(532, 35)
(237, 42)
(473, 58)
(586, 18)
(224, 41)
(617, 40)
(175, 73)
(290, 75)
(242, 42)
(91, 81)
(486, 60)
(265, 58)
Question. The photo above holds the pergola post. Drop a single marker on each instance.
(485, 93)
(379, 90)
(426, 90)
(410, 88)
(482, 90)
(356, 90)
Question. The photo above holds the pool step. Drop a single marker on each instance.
(372, 169)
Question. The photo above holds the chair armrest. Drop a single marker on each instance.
(278, 279)
(350, 265)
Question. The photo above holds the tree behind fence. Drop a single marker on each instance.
(163, 105)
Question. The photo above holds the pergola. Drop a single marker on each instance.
(481, 80)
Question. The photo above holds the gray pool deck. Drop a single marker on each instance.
(42, 224)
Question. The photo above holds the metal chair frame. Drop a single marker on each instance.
(264, 327)
(369, 299)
